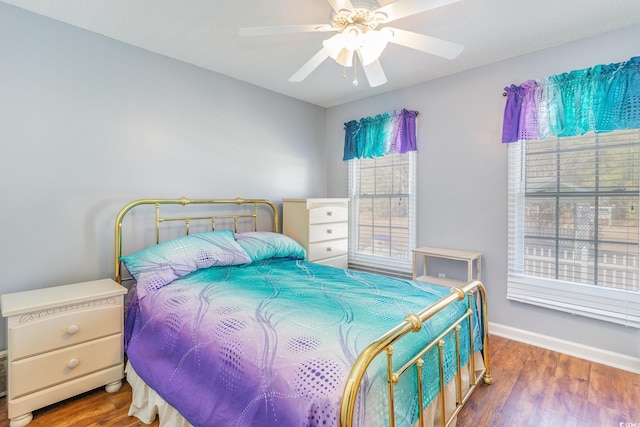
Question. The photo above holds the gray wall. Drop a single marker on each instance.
(462, 172)
(88, 124)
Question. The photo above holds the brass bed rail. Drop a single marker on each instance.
(183, 201)
(413, 323)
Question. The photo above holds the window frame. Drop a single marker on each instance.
(377, 263)
(621, 306)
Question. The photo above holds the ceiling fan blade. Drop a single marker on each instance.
(402, 8)
(375, 74)
(309, 66)
(339, 5)
(284, 29)
(428, 44)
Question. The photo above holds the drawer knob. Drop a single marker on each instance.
(329, 213)
(73, 363)
(329, 249)
(329, 231)
(73, 329)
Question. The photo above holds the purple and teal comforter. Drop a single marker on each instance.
(261, 337)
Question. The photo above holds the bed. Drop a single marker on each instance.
(231, 326)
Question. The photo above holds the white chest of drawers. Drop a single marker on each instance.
(321, 226)
(62, 341)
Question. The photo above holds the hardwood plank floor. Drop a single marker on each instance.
(93, 408)
(531, 387)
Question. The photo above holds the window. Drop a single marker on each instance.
(382, 224)
(574, 224)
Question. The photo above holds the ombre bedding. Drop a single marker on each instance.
(266, 338)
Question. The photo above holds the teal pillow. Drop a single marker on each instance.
(261, 245)
(159, 265)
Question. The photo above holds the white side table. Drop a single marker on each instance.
(469, 257)
(62, 341)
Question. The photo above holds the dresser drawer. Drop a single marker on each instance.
(327, 249)
(33, 335)
(319, 232)
(341, 261)
(325, 214)
(42, 371)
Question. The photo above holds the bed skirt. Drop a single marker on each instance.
(146, 404)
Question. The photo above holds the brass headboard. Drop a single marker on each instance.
(253, 216)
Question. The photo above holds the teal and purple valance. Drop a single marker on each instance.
(602, 98)
(387, 133)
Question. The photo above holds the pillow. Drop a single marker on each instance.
(264, 244)
(159, 265)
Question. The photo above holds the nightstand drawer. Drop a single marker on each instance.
(319, 232)
(48, 369)
(325, 214)
(51, 332)
(328, 249)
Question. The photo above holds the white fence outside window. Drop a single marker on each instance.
(615, 271)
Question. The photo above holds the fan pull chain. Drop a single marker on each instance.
(355, 70)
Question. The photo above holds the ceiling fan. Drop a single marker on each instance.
(359, 34)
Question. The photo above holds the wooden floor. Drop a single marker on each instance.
(531, 387)
(537, 387)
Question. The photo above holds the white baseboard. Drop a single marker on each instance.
(605, 357)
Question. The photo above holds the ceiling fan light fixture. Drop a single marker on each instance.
(342, 46)
(369, 44)
(352, 37)
(335, 48)
(333, 45)
(374, 43)
(345, 58)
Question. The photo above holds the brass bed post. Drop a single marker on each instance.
(391, 381)
(157, 206)
(443, 406)
(459, 364)
(471, 369)
(419, 365)
(486, 354)
(118, 239)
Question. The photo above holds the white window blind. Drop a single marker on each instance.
(382, 224)
(574, 224)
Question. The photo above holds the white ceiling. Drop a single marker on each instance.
(205, 33)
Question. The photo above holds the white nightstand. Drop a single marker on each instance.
(321, 226)
(469, 257)
(62, 341)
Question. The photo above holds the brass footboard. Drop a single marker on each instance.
(413, 323)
